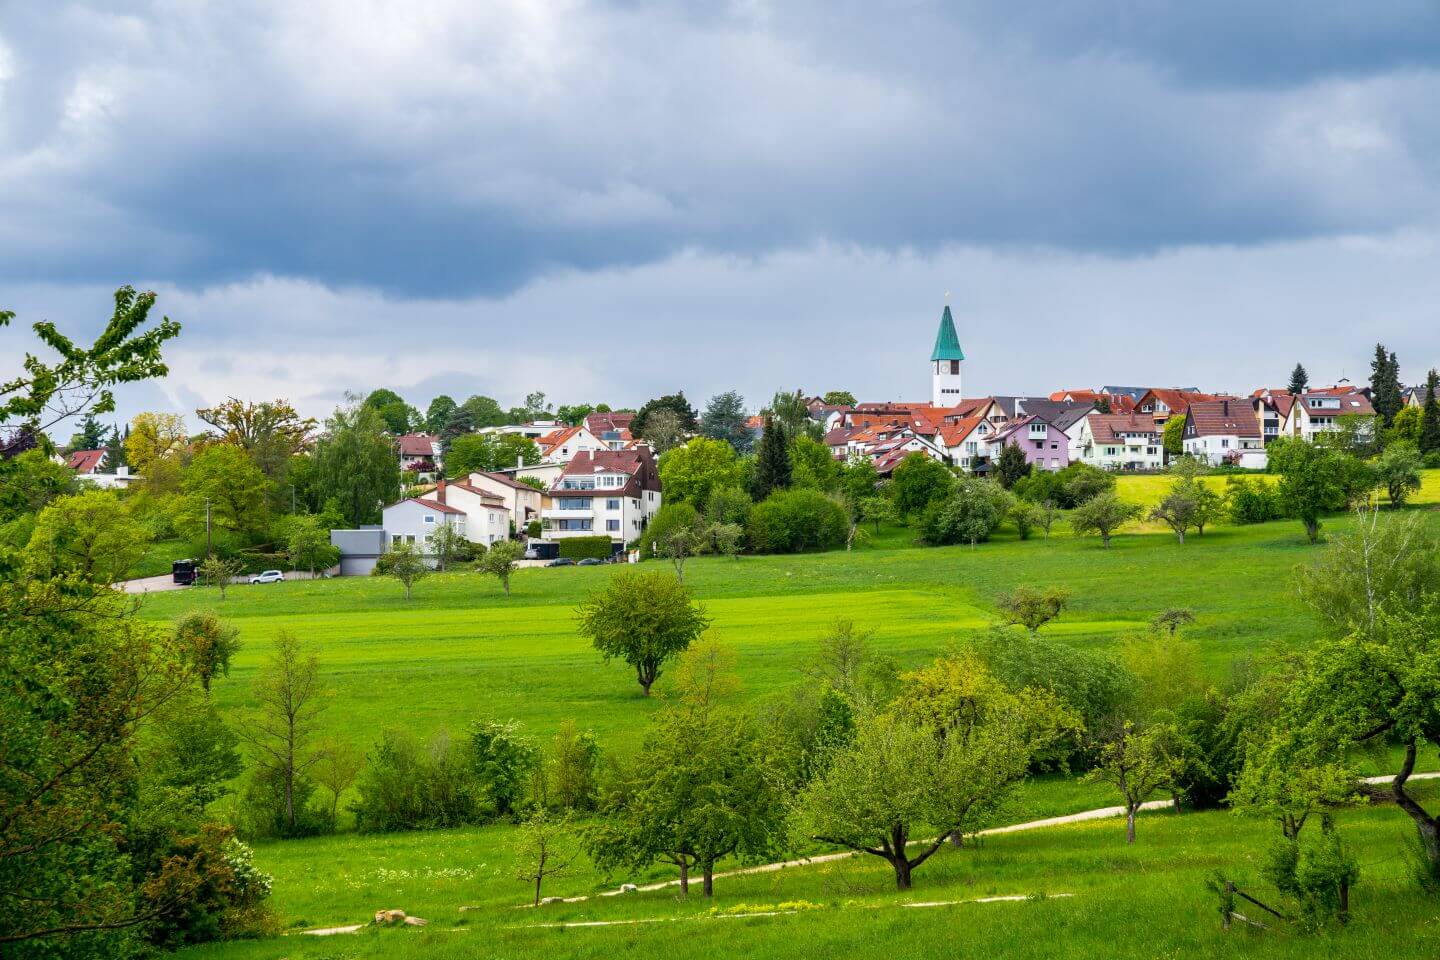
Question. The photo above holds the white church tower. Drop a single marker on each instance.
(945, 361)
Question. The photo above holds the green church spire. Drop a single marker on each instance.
(947, 343)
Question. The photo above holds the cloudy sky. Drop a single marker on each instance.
(607, 201)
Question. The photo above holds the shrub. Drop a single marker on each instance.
(1066, 488)
(969, 514)
(583, 548)
(918, 482)
(261, 811)
(669, 519)
(501, 762)
(405, 786)
(1252, 501)
(794, 521)
(1316, 874)
(532, 529)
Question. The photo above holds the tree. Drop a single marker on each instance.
(1385, 385)
(90, 436)
(477, 413)
(1430, 422)
(858, 479)
(574, 414)
(271, 431)
(154, 448)
(1311, 480)
(1299, 379)
(1407, 425)
(91, 534)
(1209, 507)
(643, 619)
(289, 697)
(680, 542)
(876, 510)
(724, 419)
(448, 545)
(693, 471)
(1138, 761)
(676, 404)
(82, 380)
(223, 487)
(337, 767)
(211, 642)
(1011, 465)
(663, 430)
(839, 398)
(399, 416)
(485, 452)
(1172, 437)
(1046, 515)
(795, 521)
(789, 410)
(439, 414)
(971, 512)
(308, 545)
(500, 561)
(917, 482)
(566, 779)
(1103, 514)
(217, 571)
(1031, 608)
(726, 539)
(1399, 471)
(356, 463)
(502, 762)
(1024, 515)
(1177, 508)
(544, 846)
(772, 461)
(1171, 619)
(403, 562)
(812, 465)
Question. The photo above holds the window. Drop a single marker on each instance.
(1054, 446)
(612, 504)
(572, 503)
(1224, 443)
(612, 525)
(429, 518)
(1150, 451)
(410, 538)
(395, 540)
(1109, 451)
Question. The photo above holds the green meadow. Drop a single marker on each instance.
(461, 650)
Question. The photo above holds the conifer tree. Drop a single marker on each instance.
(1430, 425)
(772, 461)
(1299, 379)
(1385, 385)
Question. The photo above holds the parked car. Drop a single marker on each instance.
(561, 562)
(590, 562)
(269, 576)
(183, 571)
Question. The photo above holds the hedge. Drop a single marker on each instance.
(582, 548)
(796, 521)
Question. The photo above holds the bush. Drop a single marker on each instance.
(532, 529)
(1066, 488)
(1316, 874)
(583, 548)
(968, 515)
(795, 521)
(918, 482)
(501, 761)
(671, 517)
(261, 812)
(1252, 501)
(408, 787)
(227, 903)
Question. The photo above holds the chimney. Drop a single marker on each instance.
(440, 490)
(1225, 407)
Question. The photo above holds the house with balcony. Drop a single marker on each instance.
(1272, 412)
(612, 493)
(612, 429)
(559, 446)
(1120, 441)
(522, 500)
(419, 454)
(1320, 411)
(1224, 432)
(1046, 447)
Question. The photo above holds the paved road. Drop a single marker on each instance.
(151, 584)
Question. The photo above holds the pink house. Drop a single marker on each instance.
(1045, 446)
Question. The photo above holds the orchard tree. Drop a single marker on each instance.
(917, 482)
(724, 419)
(544, 847)
(643, 619)
(217, 571)
(91, 534)
(211, 642)
(404, 563)
(448, 545)
(1031, 608)
(1103, 514)
(1399, 471)
(500, 561)
(876, 510)
(1312, 480)
(1177, 509)
(1138, 761)
(336, 771)
(356, 463)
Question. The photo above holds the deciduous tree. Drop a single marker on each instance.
(289, 697)
(211, 642)
(356, 463)
(643, 619)
(692, 472)
(1103, 514)
(224, 479)
(725, 419)
(1399, 471)
(1032, 608)
(403, 562)
(500, 561)
(545, 846)
(270, 431)
(91, 534)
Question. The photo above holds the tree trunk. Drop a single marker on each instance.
(1312, 530)
(902, 871)
(708, 881)
(1427, 826)
(1105, 539)
(537, 889)
(1181, 535)
(506, 584)
(684, 875)
(1130, 809)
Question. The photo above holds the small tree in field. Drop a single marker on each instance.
(290, 695)
(1172, 619)
(726, 538)
(404, 563)
(500, 560)
(217, 572)
(643, 619)
(1138, 761)
(1046, 515)
(877, 510)
(1103, 513)
(211, 642)
(336, 769)
(1031, 608)
(680, 543)
(1177, 510)
(544, 846)
(448, 545)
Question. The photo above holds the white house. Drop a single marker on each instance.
(419, 453)
(1120, 441)
(611, 493)
(967, 441)
(487, 518)
(1224, 431)
(89, 467)
(1319, 411)
(522, 500)
(559, 446)
(415, 521)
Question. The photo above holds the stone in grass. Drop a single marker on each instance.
(390, 918)
(628, 888)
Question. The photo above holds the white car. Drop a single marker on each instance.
(269, 576)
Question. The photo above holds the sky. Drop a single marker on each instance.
(609, 201)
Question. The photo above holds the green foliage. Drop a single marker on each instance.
(1172, 437)
(1385, 385)
(90, 534)
(544, 846)
(797, 521)
(725, 419)
(477, 413)
(1137, 760)
(876, 510)
(1312, 480)
(693, 471)
(90, 436)
(1316, 874)
(1299, 379)
(812, 466)
(398, 415)
(858, 480)
(582, 548)
(484, 452)
(290, 698)
(970, 513)
(643, 619)
(1103, 514)
(356, 464)
(566, 778)
(30, 481)
(502, 762)
(1031, 608)
(409, 786)
(500, 560)
(1399, 470)
(727, 505)
(1065, 488)
(439, 414)
(673, 517)
(917, 482)
(1250, 500)
(1178, 508)
(1011, 465)
(839, 398)
(772, 461)
(1025, 515)
(676, 403)
(308, 544)
(236, 490)
(217, 571)
(1407, 426)
(1430, 418)
(210, 642)
(404, 563)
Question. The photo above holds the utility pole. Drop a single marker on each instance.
(209, 550)
(292, 499)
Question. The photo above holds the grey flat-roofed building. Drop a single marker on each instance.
(359, 549)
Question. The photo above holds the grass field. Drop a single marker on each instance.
(461, 650)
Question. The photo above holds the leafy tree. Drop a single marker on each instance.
(1299, 379)
(796, 521)
(1209, 507)
(725, 539)
(672, 516)
(403, 562)
(1103, 513)
(89, 533)
(1251, 501)
(399, 416)
(439, 414)
(877, 510)
(917, 482)
(1025, 515)
(643, 619)
(1031, 608)
(289, 695)
(789, 411)
(356, 463)
(1171, 619)
(503, 762)
(1137, 760)
(235, 490)
(812, 465)
(1172, 437)
(679, 541)
(1011, 465)
(1399, 471)
(448, 545)
(772, 461)
(1385, 385)
(1045, 516)
(500, 561)
(155, 447)
(308, 544)
(1430, 421)
(724, 419)
(271, 431)
(1407, 426)
(969, 514)
(839, 398)
(1285, 781)
(1177, 508)
(485, 452)
(727, 505)
(544, 846)
(845, 661)
(574, 414)
(336, 771)
(211, 642)
(1311, 480)
(676, 404)
(477, 413)
(692, 472)
(566, 778)
(217, 571)
(536, 408)
(663, 430)
(1085, 483)
(858, 480)
(82, 380)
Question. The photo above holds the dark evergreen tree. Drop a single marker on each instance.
(1385, 385)
(689, 421)
(724, 419)
(90, 436)
(1430, 425)
(115, 448)
(1299, 379)
(1102, 404)
(1011, 465)
(772, 461)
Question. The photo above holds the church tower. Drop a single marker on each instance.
(945, 362)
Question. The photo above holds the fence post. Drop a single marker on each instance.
(1227, 904)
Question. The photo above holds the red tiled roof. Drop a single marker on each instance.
(509, 482)
(1223, 418)
(953, 434)
(435, 505)
(554, 438)
(85, 461)
(417, 444)
(1352, 402)
(1109, 427)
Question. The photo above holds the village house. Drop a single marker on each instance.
(611, 429)
(1045, 446)
(1320, 411)
(420, 454)
(523, 501)
(1224, 432)
(1272, 411)
(610, 493)
(487, 518)
(414, 522)
(559, 446)
(89, 467)
(1120, 441)
(1162, 403)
